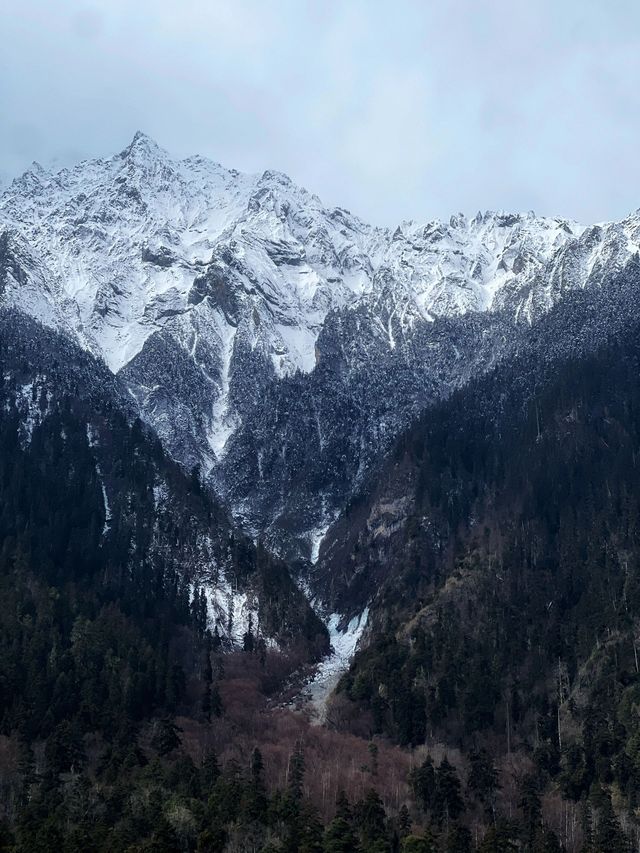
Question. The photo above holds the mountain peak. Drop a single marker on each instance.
(142, 145)
(273, 176)
(201, 286)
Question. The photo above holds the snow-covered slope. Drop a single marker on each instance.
(126, 238)
(227, 301)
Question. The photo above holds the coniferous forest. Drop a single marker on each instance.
(494, 707)
(319, 426)
(511, 630)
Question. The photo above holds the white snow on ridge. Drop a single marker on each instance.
(231, 610)
(329, 671)
(126, 236)
(115, 250)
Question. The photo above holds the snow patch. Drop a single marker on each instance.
(223, 423)
(107, 508)
(29, 408)
(316, 537)
(92, 439)
(343, 647)
(231, 611)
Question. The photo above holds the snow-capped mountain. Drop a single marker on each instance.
(278, 344)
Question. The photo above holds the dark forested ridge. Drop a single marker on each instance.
(493, 707)
(577, 327)
(89, 491)
(508, 614)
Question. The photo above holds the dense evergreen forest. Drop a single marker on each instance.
(494, 707)
(510, 625)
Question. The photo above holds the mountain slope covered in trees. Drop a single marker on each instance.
(108, 546)
(153, 657)
(116, 697)
(508, 604)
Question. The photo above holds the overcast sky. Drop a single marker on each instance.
(392, 108)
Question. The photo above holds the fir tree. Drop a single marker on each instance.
(371, 821)
(423, 782)
(448, 802)
(165, 736)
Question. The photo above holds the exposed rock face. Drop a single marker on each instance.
(279, 345)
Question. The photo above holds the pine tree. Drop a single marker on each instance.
(343, 809)
(531, 807)
(293, 800)
(296, 774)
(423, 782)
(371, 821)
(340, 837)
(418, 844)
(609, 835)
(459, 840)
(216, 701)
(483, 780)
(64, 749)
(26, 768)
(255, 806)
(448, 802)
(165, 736)
(372, 749)
(499, 838)
(210, 771)
(309, 830)
(404, 821)
(546, 841)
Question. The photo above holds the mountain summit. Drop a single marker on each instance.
(231, 303)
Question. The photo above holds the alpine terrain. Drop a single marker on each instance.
(314, 535)
(278, 345)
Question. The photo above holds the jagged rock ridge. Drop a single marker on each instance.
(278, 344)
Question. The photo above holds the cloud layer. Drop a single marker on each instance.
(404, 110)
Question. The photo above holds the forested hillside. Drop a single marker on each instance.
(147, 648)
(507, 618)
(501, 655)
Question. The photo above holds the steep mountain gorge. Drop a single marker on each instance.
(90, 495)
(279, 345)
(221, 401)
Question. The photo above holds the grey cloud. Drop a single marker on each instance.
(415, 109)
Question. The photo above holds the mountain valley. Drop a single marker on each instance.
(316, 535)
